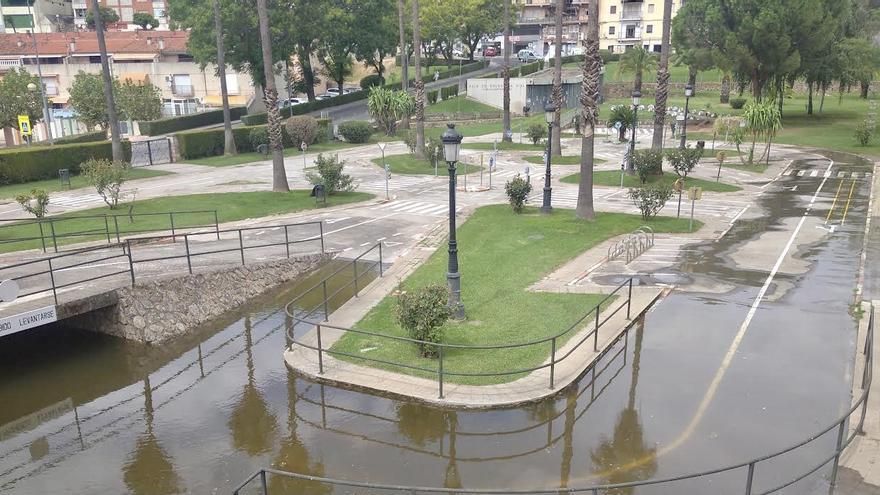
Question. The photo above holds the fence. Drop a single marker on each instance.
(150, 152)
(747, 469)
(52, 231)
(52, 274)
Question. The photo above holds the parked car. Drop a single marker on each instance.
(526, 56)
(290, 102)
(333, 91)
(490, 51)
(346, 91)
(325, 96)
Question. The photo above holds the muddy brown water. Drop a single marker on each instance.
(86, 413)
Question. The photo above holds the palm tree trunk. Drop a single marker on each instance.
(404, 55)
(589, 100)
(419, 85)
(865, 87)
(725, 87)
(228, 138)
(115, 139)
(279, 175)
(810, 98)
(662, 92)
(824, 88)
(556, 96)
(505, 119)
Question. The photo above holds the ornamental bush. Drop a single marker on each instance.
(259, 135)
(356, 131)
(432, 96)
(864, 133)
(647, 163)
(302, 129)
(106, 177)
(36, 203)
(517, 190)
(422, 313)
(330, 175)
(368, 82)
(737, 103)
(536, 132)
(650, 200)
(20, 165)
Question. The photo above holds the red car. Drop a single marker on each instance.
(490, 51)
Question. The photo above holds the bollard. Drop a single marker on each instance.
(552, 361)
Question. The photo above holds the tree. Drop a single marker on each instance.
(505, 119)
(112, 119)
(377, 33)
(589, 100)
(145, 20)
(404, 63)
(662, 92)
(139, 101)
(279, 175)
(763, 120)
(108, 15)
(388, 106)
(419, 85)
(16, 99)
(228, 137)
(859, 60)
(556, 94)
(89, 101)
(106, 177)
(637, 61)
(476, 20)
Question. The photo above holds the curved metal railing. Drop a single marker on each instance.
(843, 440)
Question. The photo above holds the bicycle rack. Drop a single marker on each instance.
(633, 244)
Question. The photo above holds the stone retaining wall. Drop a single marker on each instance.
(156, 311)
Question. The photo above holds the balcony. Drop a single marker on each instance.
(631, 14)
(182, 90)
(9, 64)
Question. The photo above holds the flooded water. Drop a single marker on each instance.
(86, 413)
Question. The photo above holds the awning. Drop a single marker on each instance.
(217, 101)
(122, 57)
(136, 77)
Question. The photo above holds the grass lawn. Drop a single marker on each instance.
(250, 157)
(76, 181)
(677, 74)
(230, 207)
(612, 178)
(504, 146)
(500, 254)
(461, 104)
(409, 165)
(560, 160)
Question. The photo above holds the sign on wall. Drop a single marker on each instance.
(27, 320)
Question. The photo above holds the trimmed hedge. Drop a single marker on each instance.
(530, 68)
(21, 165)
(356, 131)
(449, 91)
(184, 122)
(311, 106)
(432, 96)
(88, 137)
(199, 144)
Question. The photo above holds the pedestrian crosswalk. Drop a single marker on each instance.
(416, 208)
(839, 174)
(396, 182)
(617, 200)
(76, 201)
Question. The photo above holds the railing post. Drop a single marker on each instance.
(107, 228)
(188, 260)
(552, 361)
(241, 246)
(263, 482)
(629, 299)
(52, 280)
(355, 263)
(42, 235)
(320, 353)
(150, 152)
(127, 248)
(171, 218)
(750, 478)
(321, 232)
(860, 429)
(326, 311)
(840, 431)
(116, 226)
(380, 260)
(216, 225)
(287, 242)
(440, 370)
(54, 239)
(596, 332)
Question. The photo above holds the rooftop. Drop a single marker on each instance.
(86, 43)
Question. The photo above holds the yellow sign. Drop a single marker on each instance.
(24, 125)
(695, 193)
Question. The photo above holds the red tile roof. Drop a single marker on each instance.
(59, 44)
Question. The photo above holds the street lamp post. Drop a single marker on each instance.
(46, 117)
(688, 92)
(636, 98)
(549, 114)
(451, 146)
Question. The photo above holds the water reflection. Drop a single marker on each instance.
(149, 469)
(253, 426)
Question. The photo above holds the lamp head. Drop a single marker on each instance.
(31, 87)
(636, 97)
(689, 91)
(549, 113)
(451, 143)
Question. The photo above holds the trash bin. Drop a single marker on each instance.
(318, 192)
(64, 176)
(701, 144)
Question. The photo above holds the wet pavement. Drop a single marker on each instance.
(712, 377)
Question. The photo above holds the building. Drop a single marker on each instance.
(622, 24)
(40, 16)
(125, 9)
(157, 58)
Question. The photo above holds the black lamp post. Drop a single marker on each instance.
(451, 146)
(688, 92)
(636, 98)
(549, 114)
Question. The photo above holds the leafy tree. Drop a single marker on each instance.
(108, 15)
(87, 98)
(106, 177)
(478, 19)
(637, 61)
(228, 136)
(376, 21)
(330, 175)
(36, 203)
(139, 101)
(859, 61)
(422, 312)
(145, 20)
(589, 100)
(388, 107)
(15, 99)
(517, 190)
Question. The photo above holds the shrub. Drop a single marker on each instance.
(432, 97)
(434, 150)
(302, 129)
(107, 178)
(422, 313)
(372, 80)
(325, 130)
(683, 160)
(624, 115)
(88, 137)
(184, 122)
(356, 131)
(257, 136)
(737, 103)
(607, 56)
(388, 106)
(36, 203)
(409, 139)
(330, 175)
(864, 133)
(529, 68)
(536, 132)
(650, 200)
(647, 162)
(517, 190)
(448, 92)
(20, 165)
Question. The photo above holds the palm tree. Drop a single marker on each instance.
(636, 61)
(404, 60)
(228, 138)
(113, 119)
(505, 119)
(662, 92)
(419, 85)
(556, 95)
(270, 96)
(589, 100)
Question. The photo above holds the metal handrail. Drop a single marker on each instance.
(840, 424)
(105, 230)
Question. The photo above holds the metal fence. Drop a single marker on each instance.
(746, 469)
(54, 231)
(131, 257)
(150, 152)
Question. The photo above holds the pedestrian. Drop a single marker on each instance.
(672, 126)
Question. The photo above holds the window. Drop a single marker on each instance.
(614, 9)
(181, 85)
(184, 57)
(95, 59)
(649, 28)
(611, 30)
(650, 8)
(18, 21)
(158, 13)
(127, 14)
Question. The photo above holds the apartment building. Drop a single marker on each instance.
(622, 23)
(40, 16)
(125, 9)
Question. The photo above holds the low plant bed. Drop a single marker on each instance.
(560, 160)
(504, 146)
(612, 178)
(253, 157)
(501, 254)
(76, 182)
(407, 164)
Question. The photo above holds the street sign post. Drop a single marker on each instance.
(303, 146)
(24, 126)
(491, 169)
(387, 178)
(694, 194)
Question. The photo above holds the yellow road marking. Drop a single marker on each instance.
(833, 203)
(846, 210)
